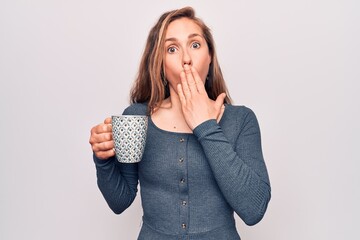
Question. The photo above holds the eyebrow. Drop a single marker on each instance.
(190, 36)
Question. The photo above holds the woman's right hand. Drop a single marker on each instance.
(101, 140)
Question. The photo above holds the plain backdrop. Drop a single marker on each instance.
(65, 65)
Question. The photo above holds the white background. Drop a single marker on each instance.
(65, 65)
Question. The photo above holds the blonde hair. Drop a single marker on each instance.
(149, 84)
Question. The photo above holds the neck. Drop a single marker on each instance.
(173, 102)
(170, 109)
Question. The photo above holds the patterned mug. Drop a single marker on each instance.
(129, 134)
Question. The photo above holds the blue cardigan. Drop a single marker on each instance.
(191, 183)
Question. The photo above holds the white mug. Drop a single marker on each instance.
(129, 135)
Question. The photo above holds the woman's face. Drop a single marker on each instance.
(185, 44)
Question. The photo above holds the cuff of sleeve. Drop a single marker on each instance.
(101, 163)
(206, 128)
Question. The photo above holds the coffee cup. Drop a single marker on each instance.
(129, 135)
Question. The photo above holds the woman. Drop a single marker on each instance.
(203, 157)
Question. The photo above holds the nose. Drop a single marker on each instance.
(186, 58)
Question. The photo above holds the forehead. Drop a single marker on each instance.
(181, 27)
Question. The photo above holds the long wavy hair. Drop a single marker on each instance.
(149, 84)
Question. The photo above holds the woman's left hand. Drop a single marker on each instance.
(197, 107)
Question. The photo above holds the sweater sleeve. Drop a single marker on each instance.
(118, 181)
(239, 168)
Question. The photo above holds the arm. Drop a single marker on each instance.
(239, 169)
(117, 182)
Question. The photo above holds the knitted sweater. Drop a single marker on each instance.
(191, 183)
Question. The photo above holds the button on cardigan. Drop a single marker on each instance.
(191, 183)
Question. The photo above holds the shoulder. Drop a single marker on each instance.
(136, 109)
(239, 117)
(239, 112)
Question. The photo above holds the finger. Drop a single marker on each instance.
(107, 120)
(103, 146)
(102, 128)
(190, 79)
(184, 85)
(98, 138)
(105, 154)
(220, 100)
(199, 83)
(181, 94)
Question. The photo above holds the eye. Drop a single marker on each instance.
(171, 50)
(195, 45)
